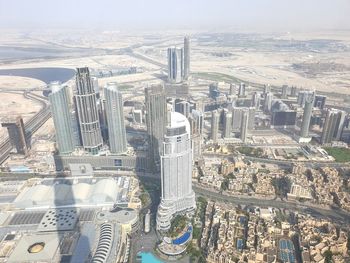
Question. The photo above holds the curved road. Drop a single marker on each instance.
(31, 126)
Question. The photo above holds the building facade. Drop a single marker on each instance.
(62, 118)
(175, 65)
(115, 119)
(215, 120)
(176, 171)
(308, 100)
(333, 127)
(88, 117)
(186, 58)
(156, 116)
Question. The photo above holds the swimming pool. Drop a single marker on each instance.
(147, 257)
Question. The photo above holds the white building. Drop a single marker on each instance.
(176, 171)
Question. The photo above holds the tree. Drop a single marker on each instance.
(328, 256)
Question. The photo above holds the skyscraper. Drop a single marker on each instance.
(244, 125)
(305, 125)
(237, 115)
(256, 100)
(89, 124)
(115, 119)
(186, 58)
(62, 118)
(17, 135)
(175, 65)
(284, 92)
(268, 101)
(333, 127)
(227, 124)
(232, 89)
(156, 119)
(176, 171)
(183, 107)
(241, 90)
(303, 95)
(215, 119)
(196, 119)
(320, 101)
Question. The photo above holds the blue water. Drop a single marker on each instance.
(147, 257)
(44, 74)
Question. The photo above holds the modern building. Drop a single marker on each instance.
(137, 116)
(175, 65)
(320, 102)
(62, 118)
(256, 97)
(176, 171)
(244, 126)
(282, 116)
(333, 127)
(196, 120)
(308, 101)
(183, 107)
(284, 94)
(96, 86)
(227, 124)
(215, 119)
(237, 113)
(156, 119)
(17, 135)
(293, 91)
(268, 101)
(232, 89)
(267, 89)
(241, 90)
(283, 119)
(214, 91)
(88, 117)
(186, 59)
(303, 95)
(115, 119)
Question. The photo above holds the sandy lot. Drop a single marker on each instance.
(12, 105)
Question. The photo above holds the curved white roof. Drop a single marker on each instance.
(59, 194)
(105, 191)
(179, 120)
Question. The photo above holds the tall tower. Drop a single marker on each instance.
(186, 57)
(244, 125)
(227, 124)
(175, 65)
(215, 118)
(241, 90)
(17, 135)
(284, 94)
(309, 103)
(156, 119)
(62, 118)
(89, 123)
(196, 120)
(115, 119)
(268, 101)
(176, 171)
(333, 126)
(256, 100)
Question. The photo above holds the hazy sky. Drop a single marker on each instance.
(188, 14)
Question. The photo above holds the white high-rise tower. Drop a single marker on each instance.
(176, 171)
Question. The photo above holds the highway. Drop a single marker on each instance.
(336, 215)
(307, 163)
(31, 126)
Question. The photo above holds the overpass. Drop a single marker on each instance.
(31, 126)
